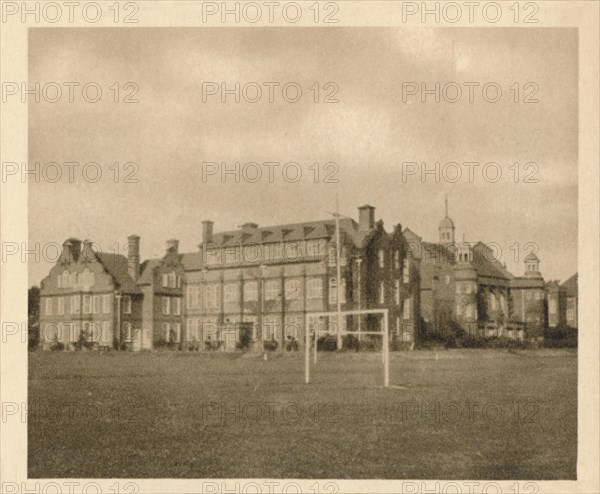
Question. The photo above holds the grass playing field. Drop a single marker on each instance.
(478, 414)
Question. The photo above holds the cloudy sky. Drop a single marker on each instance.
(369, 133)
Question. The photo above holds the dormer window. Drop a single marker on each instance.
(292, 252)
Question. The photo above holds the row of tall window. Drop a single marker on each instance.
(397, 292)
(275, 251)
(84, 304)
(466, 288)
(95, 331)
(497, 301)
(171, 280)
(290, 251)
(470, 310)
(196, 330)
(231, 291)
(471, 288)
(292, 290)
(405, 263)
(171, 305)
(553, 309)
(172, 331)
(84, 280)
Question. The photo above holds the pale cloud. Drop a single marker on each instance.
(369, 133)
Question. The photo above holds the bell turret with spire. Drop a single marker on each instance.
(446, 228)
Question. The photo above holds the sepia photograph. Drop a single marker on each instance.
(310, 247)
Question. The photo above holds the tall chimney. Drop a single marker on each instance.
(366, 217)
(173, 245)
(133, 256)
(71, 248)
(87, 252)
(207, 231)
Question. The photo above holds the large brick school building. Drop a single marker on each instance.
(277, 278)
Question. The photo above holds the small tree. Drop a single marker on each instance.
(245, 332)
(33, 317)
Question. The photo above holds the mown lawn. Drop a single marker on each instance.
(477, 414)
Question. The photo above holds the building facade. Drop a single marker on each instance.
(563, 303)
(274, 278)
(465, 287)
(87, 297)
(279, 280)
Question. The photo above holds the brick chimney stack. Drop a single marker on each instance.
(173, 245)
(133, 256)
(366, 217)
(71, 249)
(207, 231)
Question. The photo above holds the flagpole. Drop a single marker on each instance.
(339, 272)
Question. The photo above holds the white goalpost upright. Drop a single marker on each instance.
(384, 333)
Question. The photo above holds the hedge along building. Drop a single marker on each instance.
(272, 277)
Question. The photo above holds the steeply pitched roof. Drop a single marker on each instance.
(527, 282)
(571, 286)
(487, 265)
(192, 261)
(146, 269)
(436, 251)
(116, 266)
(289, 232)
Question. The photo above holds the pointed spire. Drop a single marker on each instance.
(446, 205)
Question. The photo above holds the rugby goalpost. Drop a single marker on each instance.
(384, 333)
